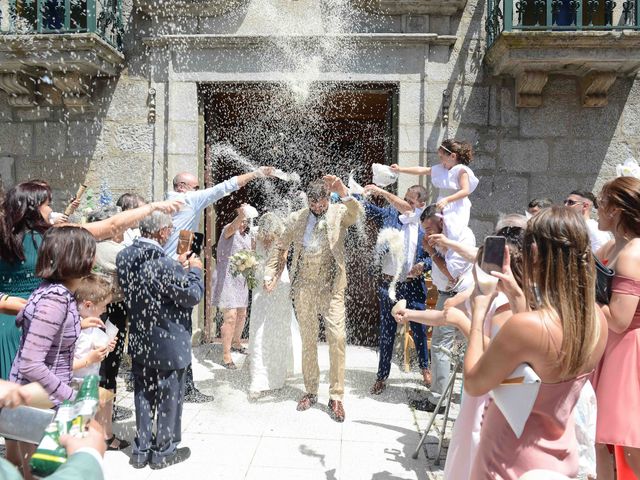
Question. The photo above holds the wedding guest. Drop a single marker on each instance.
(317, 234)
(24, 221)
(11, 305)
(160, 296)
(116, 312)
(583, 202)
(617, 381)
(274, 336)
(231, 293)
(403, 215)
(93, 296)
(186, 188)
(84, 454)
(50, 322)
(129, 201)
(562, 339)
(538, 204)
(451, 274)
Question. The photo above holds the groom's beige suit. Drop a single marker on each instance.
(318, 281)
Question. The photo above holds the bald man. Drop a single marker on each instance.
(187, 188)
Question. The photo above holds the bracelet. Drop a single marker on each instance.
(4, 298)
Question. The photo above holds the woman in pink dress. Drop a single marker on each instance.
(562, 338)
(617, 381)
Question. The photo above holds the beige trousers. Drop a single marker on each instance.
(311, 298)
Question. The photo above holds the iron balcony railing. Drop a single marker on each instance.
(559, 15)
(28, 17)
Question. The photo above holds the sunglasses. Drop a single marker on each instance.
(570, 203)
(446, 149)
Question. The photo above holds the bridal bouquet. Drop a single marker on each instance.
(244, 263)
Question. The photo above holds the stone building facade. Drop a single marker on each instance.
(520, 105)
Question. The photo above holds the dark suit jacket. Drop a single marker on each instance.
(160, 296)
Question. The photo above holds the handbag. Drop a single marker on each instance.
(604, 277)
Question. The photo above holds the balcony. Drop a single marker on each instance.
(50, 50)
(595, 41)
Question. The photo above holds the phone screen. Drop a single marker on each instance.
(493, 254)
(196, 243)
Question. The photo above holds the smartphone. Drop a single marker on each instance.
(189, 241)
(493, 254)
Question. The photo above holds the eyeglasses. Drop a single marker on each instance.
(190, 187)
(570, 203)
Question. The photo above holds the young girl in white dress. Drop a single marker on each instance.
(454, 180)
(274, 337)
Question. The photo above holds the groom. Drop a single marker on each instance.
(318, 282)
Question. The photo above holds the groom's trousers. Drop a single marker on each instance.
(312, 296)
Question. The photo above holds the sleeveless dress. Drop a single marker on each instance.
(274, 336)
(18, 280)
(456, 214)
(617, 380)
(548, 441)
(465, 436)
(230, 291)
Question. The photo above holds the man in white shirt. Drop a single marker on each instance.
(583, 202)
(186, 187)
(451, 274)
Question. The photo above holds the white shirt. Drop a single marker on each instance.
(311, 223)
(597, 237)
(458, 267)
(410, 232)
(88, 340)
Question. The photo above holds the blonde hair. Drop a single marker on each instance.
(94, 288)
(561, 278)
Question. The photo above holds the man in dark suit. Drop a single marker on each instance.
(160, 294)
(403, 215)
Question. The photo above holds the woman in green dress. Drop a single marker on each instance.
(24, 220)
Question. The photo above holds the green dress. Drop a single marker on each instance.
(18, 280)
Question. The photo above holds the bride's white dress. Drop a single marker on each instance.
(274, 337)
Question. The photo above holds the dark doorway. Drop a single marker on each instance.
(342, 128)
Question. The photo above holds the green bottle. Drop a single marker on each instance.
(49, 454)
(87, 401)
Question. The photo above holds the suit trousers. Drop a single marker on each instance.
(310, 299)
(443, 336)
(158, 399)
(413, 293)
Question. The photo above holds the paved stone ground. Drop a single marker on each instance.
(232, 438)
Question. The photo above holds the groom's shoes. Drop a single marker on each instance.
(306, 402)
(378, 387)
(336, 410)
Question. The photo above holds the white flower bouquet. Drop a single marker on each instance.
(244, 263)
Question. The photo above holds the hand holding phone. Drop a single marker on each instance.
(493, 254)
(189, 241)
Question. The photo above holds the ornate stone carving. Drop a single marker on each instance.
(594, 87)
(529, 87)
(20, 89)
(75, 88)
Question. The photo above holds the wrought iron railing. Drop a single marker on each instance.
(559, 15)
(28, 17)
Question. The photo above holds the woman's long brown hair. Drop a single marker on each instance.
(560, 277)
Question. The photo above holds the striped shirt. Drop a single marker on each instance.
(50, 327)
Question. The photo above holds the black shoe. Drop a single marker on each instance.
(121, 413)
(426, 406)
(180, 455)
(196, 396)
(138, 463)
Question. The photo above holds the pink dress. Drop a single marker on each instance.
(548, 441)
(465, 436)
(230, 291)
(617, 380)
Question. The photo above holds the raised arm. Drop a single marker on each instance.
(183, 288)
(411, 170)
(401, 205)
(247, 177)
(231, 228)
(116, 225)
(467, 252)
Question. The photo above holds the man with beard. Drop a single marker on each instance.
(318, 282)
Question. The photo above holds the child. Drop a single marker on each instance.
(93, 345)
(454, 180)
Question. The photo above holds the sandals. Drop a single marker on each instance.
(242, 350)
(230, 366)
(122, 444)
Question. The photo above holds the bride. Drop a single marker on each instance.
(273, 330)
